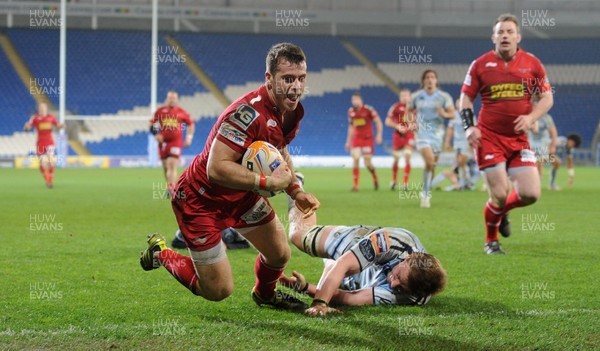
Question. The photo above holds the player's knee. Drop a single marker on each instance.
(499, 199)
(216, 294)
(530, 198)
(279, 258)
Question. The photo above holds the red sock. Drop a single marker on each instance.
(512, 201)
(374, 174)
(355, 173)
(44, 174)
(266, 278)
(50, 174)
(181, 267)
(492, 216)
(395, 172)
(406, 173)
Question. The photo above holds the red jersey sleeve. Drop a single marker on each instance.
(373, 115)
(472, 84)
(390, 113)
(187, 119)
(239, 129)
(53, 120)
(541, 79)
(34, 121)
(155, 117)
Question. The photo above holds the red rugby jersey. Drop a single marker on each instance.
(505, 87)
(250, 118)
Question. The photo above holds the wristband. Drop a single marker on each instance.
(571, 172)
(467, 117)
(305, 288)
(256, 182)
(262, 184)
(293, 189)
(155, 128)
(319, 302)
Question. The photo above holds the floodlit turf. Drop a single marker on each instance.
(70, 275)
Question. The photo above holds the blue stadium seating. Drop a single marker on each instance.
(17, 104)
(107, 71)
(94, 85)
(466, 50)
(234, 59)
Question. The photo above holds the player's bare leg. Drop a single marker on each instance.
(206, 273)
(170, 165)
(47, 163)
(394, 183)
(430, 160)
(407, 154)
(555, 166)
(299, 225)
(371, 169)
(274, 253)
(463, 171)
(355, 153)
(526, 187)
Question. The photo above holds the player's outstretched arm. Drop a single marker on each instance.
(345, 266)
(27, 126)
(223, 169)
(298, 283)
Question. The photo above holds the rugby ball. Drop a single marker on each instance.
(262, 158)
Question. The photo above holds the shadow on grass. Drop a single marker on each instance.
(371, 327)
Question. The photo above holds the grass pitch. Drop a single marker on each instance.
(71, 280)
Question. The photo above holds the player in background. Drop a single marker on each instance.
(402, 139)
(45, 148)
(543, 138)
(506, 77)
(360, 137)
(456, 139)
(167, 127)
(453, 176)
(431, 106)
(364, 265)
(565, 148)
(216, 192)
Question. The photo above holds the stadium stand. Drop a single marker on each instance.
(108, 74)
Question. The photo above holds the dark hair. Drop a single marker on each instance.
(357, 93)
(426, 276)
(576, 139)
(437, 84)
(288, 51)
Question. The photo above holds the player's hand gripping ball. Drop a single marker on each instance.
(262, 158)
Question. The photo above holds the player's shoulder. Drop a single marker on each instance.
(529, 56)
(487, 59)
(444, 94)
(370, 108)
(248, 109)
(417, 93)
